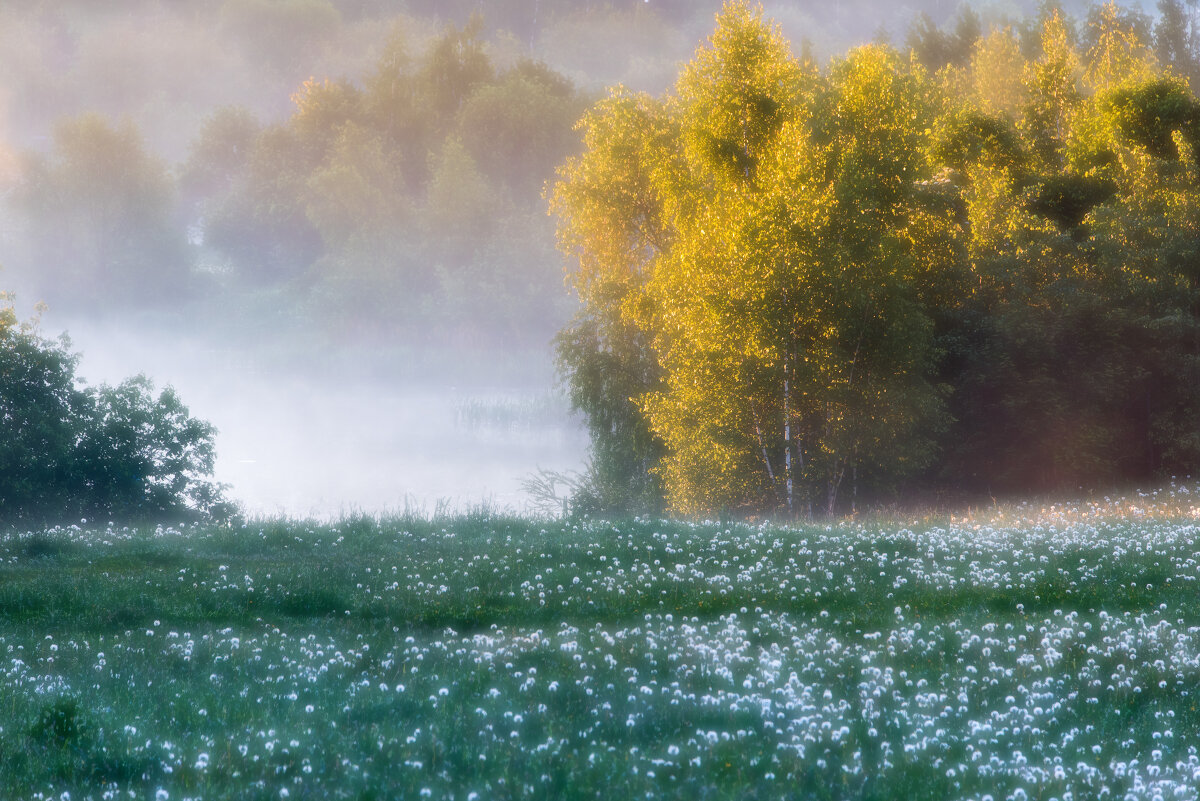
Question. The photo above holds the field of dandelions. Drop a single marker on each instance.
(1024, 652)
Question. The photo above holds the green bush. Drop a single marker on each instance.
(112, 452)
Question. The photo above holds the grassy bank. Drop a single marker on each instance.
(1025, 652)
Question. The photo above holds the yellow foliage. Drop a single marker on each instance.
(996, 73)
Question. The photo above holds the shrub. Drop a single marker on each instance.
(111, 452)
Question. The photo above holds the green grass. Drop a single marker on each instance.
(1032, 650)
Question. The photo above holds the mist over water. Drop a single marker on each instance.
(303, 445)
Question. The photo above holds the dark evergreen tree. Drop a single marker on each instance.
(1175, 39)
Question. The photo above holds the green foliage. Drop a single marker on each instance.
(970, 137)
(604, 373)
(869, 275)
(100, 214)
(935, 48)
(1066, 198)
(404, 207)
(39, 407)
(113, 452)
(144, 457)
(1175, 40)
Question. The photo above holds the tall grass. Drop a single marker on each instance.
(1030, 651)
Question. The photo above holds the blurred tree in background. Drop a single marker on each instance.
(285, 33)
(404, 208)
(101, 216)
(936, 48)
(1177, 40)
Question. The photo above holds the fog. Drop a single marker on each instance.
(167, 65)
(324, 221)
(290, 443)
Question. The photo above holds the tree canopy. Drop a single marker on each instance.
(403, 204)
(971, 270)
(110, 452)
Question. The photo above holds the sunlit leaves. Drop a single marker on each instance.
(1150, 112)
(786, 237)
(859, 272)
(735, 95)
(1120, 52)
(996, 67)
(610, 210)
(1053, 92)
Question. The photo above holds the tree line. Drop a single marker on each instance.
(407, 204)
(969, 267)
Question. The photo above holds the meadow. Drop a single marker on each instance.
(1019, 652)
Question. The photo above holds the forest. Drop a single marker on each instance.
(408, 205)
(945, 257)
(963, 270)
(883, 322)
(348, 173)
(342, 173)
